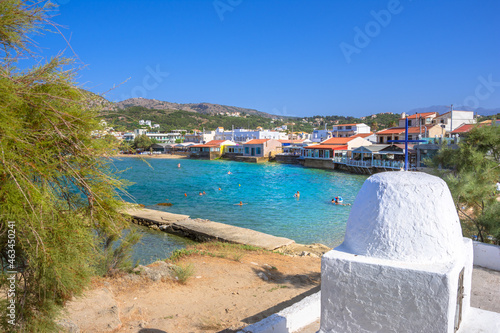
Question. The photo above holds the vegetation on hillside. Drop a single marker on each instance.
(59, 215)
(471, 171)
(128, 120)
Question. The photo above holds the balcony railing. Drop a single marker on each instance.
(388, 164)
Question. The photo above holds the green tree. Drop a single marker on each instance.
(142, 142)
(374, 126)
(392, 123)
(57, 192)
(471, 171)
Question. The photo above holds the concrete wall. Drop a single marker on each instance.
(287, 159)
(487, 255)
(320, 164)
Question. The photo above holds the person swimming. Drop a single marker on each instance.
(297, 195)
(179, 165)
(340, 201)
(240, 204)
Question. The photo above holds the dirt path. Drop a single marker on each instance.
(229, 289)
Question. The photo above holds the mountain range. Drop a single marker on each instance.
(214, 109)
(204, 108)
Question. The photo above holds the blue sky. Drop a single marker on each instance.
(288, 57)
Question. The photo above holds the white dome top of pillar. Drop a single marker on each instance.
(404, 216)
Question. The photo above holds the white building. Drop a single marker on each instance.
(339, 131)
(454, 119)
(160, 137)
(200, 137)
(243, 135)
(346, 130)
(145, 122)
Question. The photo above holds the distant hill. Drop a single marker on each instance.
(203, 108)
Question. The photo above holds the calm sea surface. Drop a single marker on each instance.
(266, 189)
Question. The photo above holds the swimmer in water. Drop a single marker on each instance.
(240, 204)
(204, 193)
(297, 195)
(185, 194)
(201, 193)
(229, 173)
(179, 165)
(220, 189)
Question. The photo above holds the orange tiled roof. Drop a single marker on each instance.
(392, 130)
(361, 135)
(256, 141)
(328, 147)
(464, 128)
(421, 115)
(215, 142)
(206, 145)
(401, 130)
(290, 141)
(337, 141)
(348, 124)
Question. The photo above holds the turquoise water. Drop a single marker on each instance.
(266, 189)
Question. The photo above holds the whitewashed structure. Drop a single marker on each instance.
(241, 135)
(403, 265)
(453, 119)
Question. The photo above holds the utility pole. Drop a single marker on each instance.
(451, 120)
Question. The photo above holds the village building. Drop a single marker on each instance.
(347, 130)
(210, 150)
(159, 137)
(414, 133)
(453, 119)
(200, 137)
(322, 155)
(241, 135)
(418, 119)
(261, 148)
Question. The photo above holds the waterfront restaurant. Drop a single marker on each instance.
(210, 150)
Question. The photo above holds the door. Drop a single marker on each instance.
(253, 152)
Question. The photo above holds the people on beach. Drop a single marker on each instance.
(297, 195)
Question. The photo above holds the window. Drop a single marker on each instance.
(246, 150)
(258, 150)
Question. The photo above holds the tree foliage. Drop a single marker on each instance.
(142, 142)
(56, 186)
(471, 171)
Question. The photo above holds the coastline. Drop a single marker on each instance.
(153, 156)
(204, 231)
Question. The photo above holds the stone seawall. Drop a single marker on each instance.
(204, 230)
(319, 164)
(287, 159)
